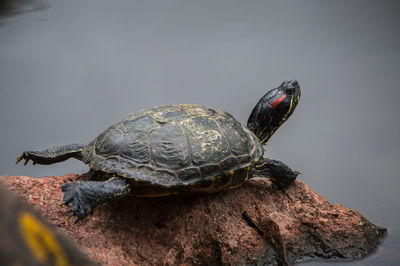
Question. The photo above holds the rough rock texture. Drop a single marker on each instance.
(255, 224)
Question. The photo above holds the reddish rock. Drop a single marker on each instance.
(254, 224)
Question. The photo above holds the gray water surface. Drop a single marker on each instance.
(70, 70)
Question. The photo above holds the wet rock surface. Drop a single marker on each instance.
(255, 224)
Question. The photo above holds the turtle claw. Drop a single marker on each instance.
(76, 200)
(23, 156)
(19, 158)
(26, 156)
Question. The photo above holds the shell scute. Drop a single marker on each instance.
(199, 110)
(170, 114)
(210, 169)
(228, 163)
(206, 140)
(136, 147)
(237, 137)
(243, 159)
(189, 173)
(165, 178)
(108, 143)
(126, 166)
(143, 123)
(169, 148)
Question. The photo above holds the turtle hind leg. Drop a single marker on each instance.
(52, 155)
(83, 196)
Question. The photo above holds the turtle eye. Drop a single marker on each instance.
(290, 91)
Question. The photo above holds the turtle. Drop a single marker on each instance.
(176, 149)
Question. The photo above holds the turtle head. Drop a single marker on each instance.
(274, 108)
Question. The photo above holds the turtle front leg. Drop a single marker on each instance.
(83, 196)
(279, 173)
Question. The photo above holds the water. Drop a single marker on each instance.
(70, 69)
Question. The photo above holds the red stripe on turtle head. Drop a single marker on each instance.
(276, 102)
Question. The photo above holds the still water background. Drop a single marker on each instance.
(69, 69)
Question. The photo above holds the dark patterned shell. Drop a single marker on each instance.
(174, 145)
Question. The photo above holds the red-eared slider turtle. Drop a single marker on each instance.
(176, 149)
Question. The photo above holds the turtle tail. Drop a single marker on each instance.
(52, 155)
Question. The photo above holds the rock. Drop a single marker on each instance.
(254, 224)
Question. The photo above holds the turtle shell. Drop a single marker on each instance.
(174, 145)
